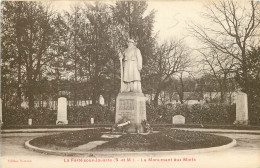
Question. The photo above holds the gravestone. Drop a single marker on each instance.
(131, 107)
(62, 111)
(241, 108)
(29, 121)
(91, 120)
(178, 119)
(101, 100)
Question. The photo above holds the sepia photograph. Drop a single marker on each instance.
(130, 84)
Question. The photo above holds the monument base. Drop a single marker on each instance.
(59, 122)
(130, 106)
(241, 122)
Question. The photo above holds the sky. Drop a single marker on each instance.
(171, 17)
(171, 20)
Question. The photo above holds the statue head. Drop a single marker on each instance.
(131, 42)
(238, 89)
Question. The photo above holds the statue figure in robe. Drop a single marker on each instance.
(131, 66)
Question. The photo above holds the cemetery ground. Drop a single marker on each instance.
(244, 154)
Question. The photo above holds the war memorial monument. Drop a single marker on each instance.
(130, 102)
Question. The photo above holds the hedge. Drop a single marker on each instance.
(82, 115)
(44, 116)
(195, 114)
(39, 116)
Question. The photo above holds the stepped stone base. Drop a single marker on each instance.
(131, 107)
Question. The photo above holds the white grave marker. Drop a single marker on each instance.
(62, 111)
(178, 119)
(241, 108)
(92, 120)
(30, 121)
(101, 100)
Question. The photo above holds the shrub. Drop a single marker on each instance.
(153, 113)
(39, 116)
(82, 115)
(44, 116)
(194, 114)
(162, 114)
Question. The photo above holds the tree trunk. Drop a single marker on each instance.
(75, 76)
(221, 94)
(30, 88)
(156, 98)
(129, 18)
(181, 97)
(160, 87)
(181, 94)
(19, 93)
(75, 90)
(31, 100)
(95, 97)
(96, 90)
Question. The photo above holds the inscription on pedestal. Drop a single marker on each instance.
(131, 107)
(142, 110)
(142, 107)
(126, 104)
(126, 115)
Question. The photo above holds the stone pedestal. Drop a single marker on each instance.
(62, 111)
(131, 107)
(241, 108)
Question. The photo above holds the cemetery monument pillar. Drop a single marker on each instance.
(241, 108)
(62, 109)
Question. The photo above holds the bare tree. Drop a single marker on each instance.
(219, 66)
(234, 27)
(170, 58)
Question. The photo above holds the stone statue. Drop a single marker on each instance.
(131, 65)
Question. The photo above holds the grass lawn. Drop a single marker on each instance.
(67, 140)
(165, 140)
